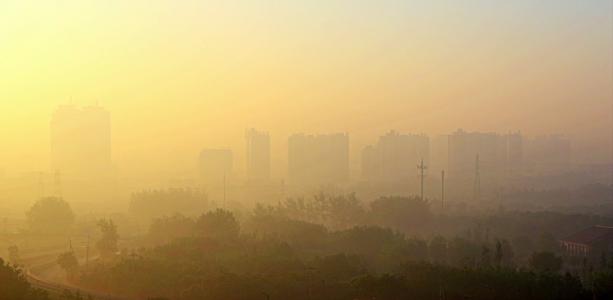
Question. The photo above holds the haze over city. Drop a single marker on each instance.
(181, 76)
(348, 149)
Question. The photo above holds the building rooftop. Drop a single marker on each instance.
(591, 235)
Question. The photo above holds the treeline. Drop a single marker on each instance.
(275, 257)
(525, 232)
(589, 197)
(149, 204)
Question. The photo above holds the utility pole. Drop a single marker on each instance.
(422, 171)
(477, 183)
(443, 189)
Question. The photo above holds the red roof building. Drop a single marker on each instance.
(590, 241)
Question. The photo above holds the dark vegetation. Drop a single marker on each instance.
(331, 247)
(14, 286)
(335, 247)
(169, 201)
(50, 216)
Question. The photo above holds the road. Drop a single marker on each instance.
(42, 272)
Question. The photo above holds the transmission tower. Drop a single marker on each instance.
(422, 174)
(58, 183)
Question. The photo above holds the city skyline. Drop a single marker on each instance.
(346, 149)
(171, 76)
(81, 150)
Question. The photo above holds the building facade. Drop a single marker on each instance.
(395, 157)
(258, 155)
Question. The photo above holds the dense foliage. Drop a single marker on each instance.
(50, 216)
(276, 257)
(14, 286)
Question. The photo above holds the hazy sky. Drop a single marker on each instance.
(182, 75)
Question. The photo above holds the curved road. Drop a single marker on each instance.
(56, 288)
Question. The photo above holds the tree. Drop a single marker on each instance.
(50, 215)
(463, 253)
(548, 243)
(68, 295)
(166, 229)
(498, 254)
(486, 259)
(545, 262)
(505, 254)
(107, 245)
(219, 224)
(68, 261)
(14, 286)
(603, 284)
(438, 250)
(400, 212)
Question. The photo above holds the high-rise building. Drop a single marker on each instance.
(258, 155)
(81, 142)
(318, 159)
(488, 158)
(395, 157)
(215, 166)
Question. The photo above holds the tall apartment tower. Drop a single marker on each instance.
(81, 142)
(258, 155)
(394, 157)
(501, 157)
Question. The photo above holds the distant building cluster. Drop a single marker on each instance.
(491, 158)
(394, 157)
(81, 157)
(258, 155)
